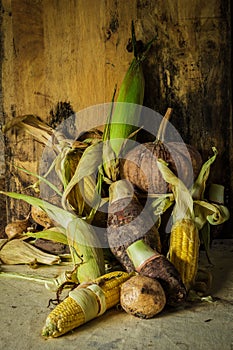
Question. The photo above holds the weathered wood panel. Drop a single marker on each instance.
(69, 50)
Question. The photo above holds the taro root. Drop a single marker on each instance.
(127, 222)
(148, 262)
(142, 296)
(140, 163)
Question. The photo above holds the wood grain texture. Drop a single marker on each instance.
(75, 51)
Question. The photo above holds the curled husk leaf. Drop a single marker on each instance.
(16, 252)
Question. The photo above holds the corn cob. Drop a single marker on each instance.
(85, 303)
(184, 250)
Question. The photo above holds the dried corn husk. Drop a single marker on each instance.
(17, 228)
(199, 186)
(41, 217)
(33, 125)
(67, 170)
(16, 252)
(84, 177)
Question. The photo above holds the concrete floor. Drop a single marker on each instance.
(195, 326)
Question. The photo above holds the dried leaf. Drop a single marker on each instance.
(33, 125)
(87, 166)
(16, 252)
(58, 215)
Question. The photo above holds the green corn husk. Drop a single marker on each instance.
(126, 114)
(55, 234)
(85, 250)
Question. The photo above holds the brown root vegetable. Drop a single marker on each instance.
(140, 163)
(128, 222)
(16, 228)
(142, 296)
(150, 263)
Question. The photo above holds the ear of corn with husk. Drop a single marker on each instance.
(190, 216)
(125, 114)
(84, 303)
(184, 250)
(85, 250)
(184, 238)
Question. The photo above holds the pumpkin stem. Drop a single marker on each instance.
(163, 125)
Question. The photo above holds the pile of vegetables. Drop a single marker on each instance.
(103, 169)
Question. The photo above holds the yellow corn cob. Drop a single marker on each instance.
(184, 250)
(85, 303)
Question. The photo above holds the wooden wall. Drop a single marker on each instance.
(75, 51)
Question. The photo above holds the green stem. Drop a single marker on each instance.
(139, 252)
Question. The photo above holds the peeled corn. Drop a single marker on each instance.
(85, 303)
(184, 250)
